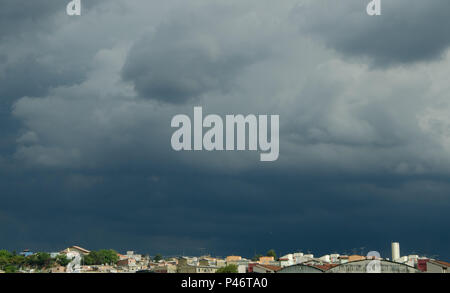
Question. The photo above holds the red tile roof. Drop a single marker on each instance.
(80, 248)
(440, 262)
(270, 267)
(325, 267)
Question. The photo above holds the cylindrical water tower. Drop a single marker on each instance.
(395, 250)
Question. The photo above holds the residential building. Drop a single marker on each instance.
(422, 264)
(26, 252)
(233, 259)
(136, 257)
(75, 249)
(299, 268)
(307, 268)
(128, 264)
(192, 269)
(261, 268)
(266, 259)
(361, 267)
(58, 269)
(356, 258)
(437, 266)
(193, 266)
(165, 269)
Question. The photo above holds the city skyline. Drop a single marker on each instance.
(76, 259)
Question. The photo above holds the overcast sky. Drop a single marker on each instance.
(86, 104)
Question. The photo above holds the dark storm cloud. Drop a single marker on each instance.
(407, 31)
(153, 212)
(26, 17)
(189, 56)
(21, 16)
(31, 77)
(19, 20)
(30, 62)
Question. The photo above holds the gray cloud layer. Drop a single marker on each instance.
(407, 31)
(364, 141)
(193, 54)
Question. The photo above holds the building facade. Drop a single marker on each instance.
(362, 267)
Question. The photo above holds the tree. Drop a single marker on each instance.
(110, 256)
(229, 269)
(272, 253)
(62, 260)
(5, 253)
(10, 269)
(18, 260)
(5, 258)
(92, 258)
(39, 260)
(11, 262)
(101, 257)
(157, 258)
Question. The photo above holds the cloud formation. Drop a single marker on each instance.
(407, 32)
(195, 53)
(364, 128)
